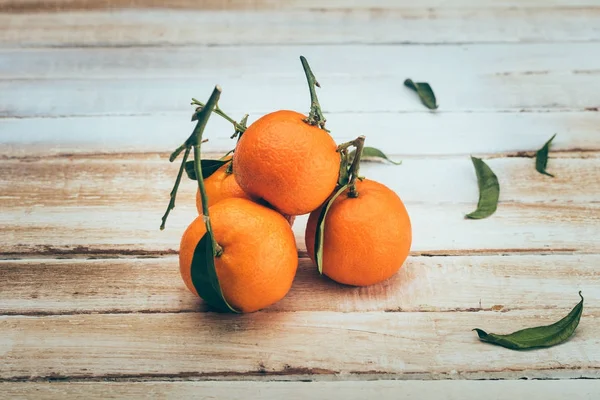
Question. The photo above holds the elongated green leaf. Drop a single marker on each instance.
(204, 276)
(319, 235)
(424, 91)
(541, 158)
(373, 154)
(209, 167)
(489, 190)
(541, 336)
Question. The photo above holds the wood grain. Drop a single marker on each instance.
(471, 80)
(403, 134)
(344, 345)
(88, 204)
(392, 390)
(412, 25)
(495, 283)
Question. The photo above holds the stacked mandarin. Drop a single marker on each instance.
(240, 254)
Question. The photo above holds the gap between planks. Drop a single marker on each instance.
(348, 390)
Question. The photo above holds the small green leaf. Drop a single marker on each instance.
(321, 228)
(373, 154)
(541, 336)
(209, 167)
(541, 158)
(489, 190)
(424, 91)
(204, 276)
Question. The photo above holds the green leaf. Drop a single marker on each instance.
(424, 91)
(204, 276)
(321, 228)
(541, 158)
(373, 154)
(541, 336)
(489, 190)
(209, 167)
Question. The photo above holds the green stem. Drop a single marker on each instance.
(237, 126)
(175, 187)
(315, 117)
(359, 142)
(196, 140)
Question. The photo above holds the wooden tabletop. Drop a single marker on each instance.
(95, 95)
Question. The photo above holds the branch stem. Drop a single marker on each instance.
(175, 187)
(359, 142)
(315, 117)
(237, 126)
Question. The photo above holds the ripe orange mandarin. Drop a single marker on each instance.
(219, 186)
(290, 164)
(259, 258)
(366, 239)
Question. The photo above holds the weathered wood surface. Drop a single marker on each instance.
(385, 390)
(416, 134)
(401, 345)
(94, 95)
(495, 283)
(263, 23)
(113, 205)
(363, 79)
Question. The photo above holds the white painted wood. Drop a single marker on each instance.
(334, 345)
(401, 134)
(33, 5)
(470, 79)
(385, 390)
(116, 204)
(420, 62)
(495, 283)
(214, 27)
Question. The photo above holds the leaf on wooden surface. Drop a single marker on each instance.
(424, 91)
(204, 276)
(541, 157)
(373, 154)
(541, 336)
(319, 234)
(209, 167)
(489, 190)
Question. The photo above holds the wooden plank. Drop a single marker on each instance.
(114, 204)
(495, 283)
(62, 5)
(208, 345)
(404, 134)
(543, 82)
(421, 24)
(392, 390)
(418, 61)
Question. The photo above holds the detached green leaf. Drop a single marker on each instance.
(489, 190)
(204, 276)
(541, 336)
(209, 167)
(541, 158)
(321, 228)
(373, 154)
(424, 91)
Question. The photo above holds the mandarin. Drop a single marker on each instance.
(290, 164)
(219, 186)
(259, 258)
(366, 239)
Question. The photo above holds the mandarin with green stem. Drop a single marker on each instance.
(365, 231)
